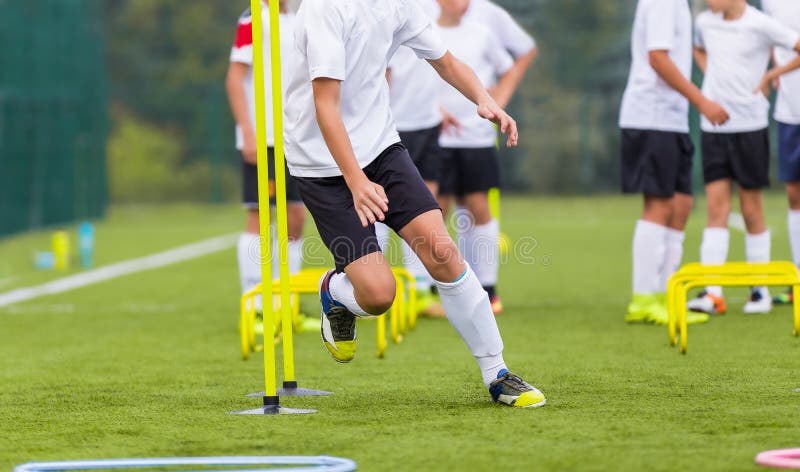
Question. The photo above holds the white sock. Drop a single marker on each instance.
(415, 267)
(714, 251)
(295, 256)
(757, 250)
(672, 255)
(248, 253)
(343, 292)
(649, 247)
(382, 233)
(276, 264)
(469, 311)
(485, 252)
(794, 235)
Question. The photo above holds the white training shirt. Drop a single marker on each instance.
(649, 103)
(413, 92)
(787, 108)
(350, 41)
(242, 52)
(475, 45)
(738, 55)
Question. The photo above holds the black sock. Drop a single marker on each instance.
(490, 290)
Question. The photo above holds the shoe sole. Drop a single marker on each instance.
(535, 405)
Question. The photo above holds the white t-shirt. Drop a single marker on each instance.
(649, 103)
(413, 92)
(475, 45)
(738, 55)
(787, 108)
(506, 30)
(242, 52)
(350, 41)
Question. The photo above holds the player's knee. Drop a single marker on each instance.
(377, 295)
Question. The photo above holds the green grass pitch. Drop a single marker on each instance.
(148, 365)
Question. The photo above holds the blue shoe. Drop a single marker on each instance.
(511, 390)
(338, 324)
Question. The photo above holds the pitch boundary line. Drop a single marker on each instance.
(119, 269)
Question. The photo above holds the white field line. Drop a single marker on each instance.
(153, 261)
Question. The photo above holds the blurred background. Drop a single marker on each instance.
(122, 101)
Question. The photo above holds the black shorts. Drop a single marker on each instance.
(250, 184)
(423, 146)
(468, 170)
(656, 163)
(331, 204)
(741, 157)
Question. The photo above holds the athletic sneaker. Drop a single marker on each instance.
(707, 303)
(511, 390)
(640, 307)
(338, 324)
(660, 316)
(497, 305)
(784, 298)
(759, 302)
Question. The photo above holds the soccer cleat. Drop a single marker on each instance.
(640, 307)
(511, 390)
(759, 302)
(497, 305)
(660, 316)
(784, 298)
(707, 303)
(338, 328)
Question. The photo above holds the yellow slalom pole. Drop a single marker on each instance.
(289, 380)
(270, 392)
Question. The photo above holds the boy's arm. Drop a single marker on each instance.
(234, 84)
(701, 58)
(505, 88)
(460, 76)
(369, 198)
(669, 73)
(776, 72)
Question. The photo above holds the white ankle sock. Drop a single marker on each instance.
(757, 250)
(672, 255)
(342, 291)
(486, 252)
(469, 311)
(415, 267)
(295, 256)
(649, 246)
(382, 233)
(794, 235)
(248, 252)
(714, 251)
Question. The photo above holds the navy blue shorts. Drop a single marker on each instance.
(330, 203)
(788, 152)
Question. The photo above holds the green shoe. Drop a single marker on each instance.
(640, 307)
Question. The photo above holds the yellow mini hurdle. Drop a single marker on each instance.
(734, 274)
(402, 315)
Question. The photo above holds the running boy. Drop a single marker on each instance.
(470, 164)
(657, 150)
(733, 45)
(241, 96)
(345, 155)
(787, 114)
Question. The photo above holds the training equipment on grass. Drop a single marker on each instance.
(780, 459)
(402, 316)
(732, 274)
(295, 463)
(271, 400)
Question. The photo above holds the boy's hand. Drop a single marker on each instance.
(449, 122)
(369, 200)
(249, 147)
(714, 112)
(765, 86)
(492, 112)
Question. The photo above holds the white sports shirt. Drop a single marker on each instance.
(648, 102)
(475, 45)
(350, 41)
(242, 51)
(738, 55)
(787, 108)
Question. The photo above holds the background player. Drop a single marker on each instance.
(733, 45)
(656, 148)
(344, 152)
(239, 84)
(787, 114)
